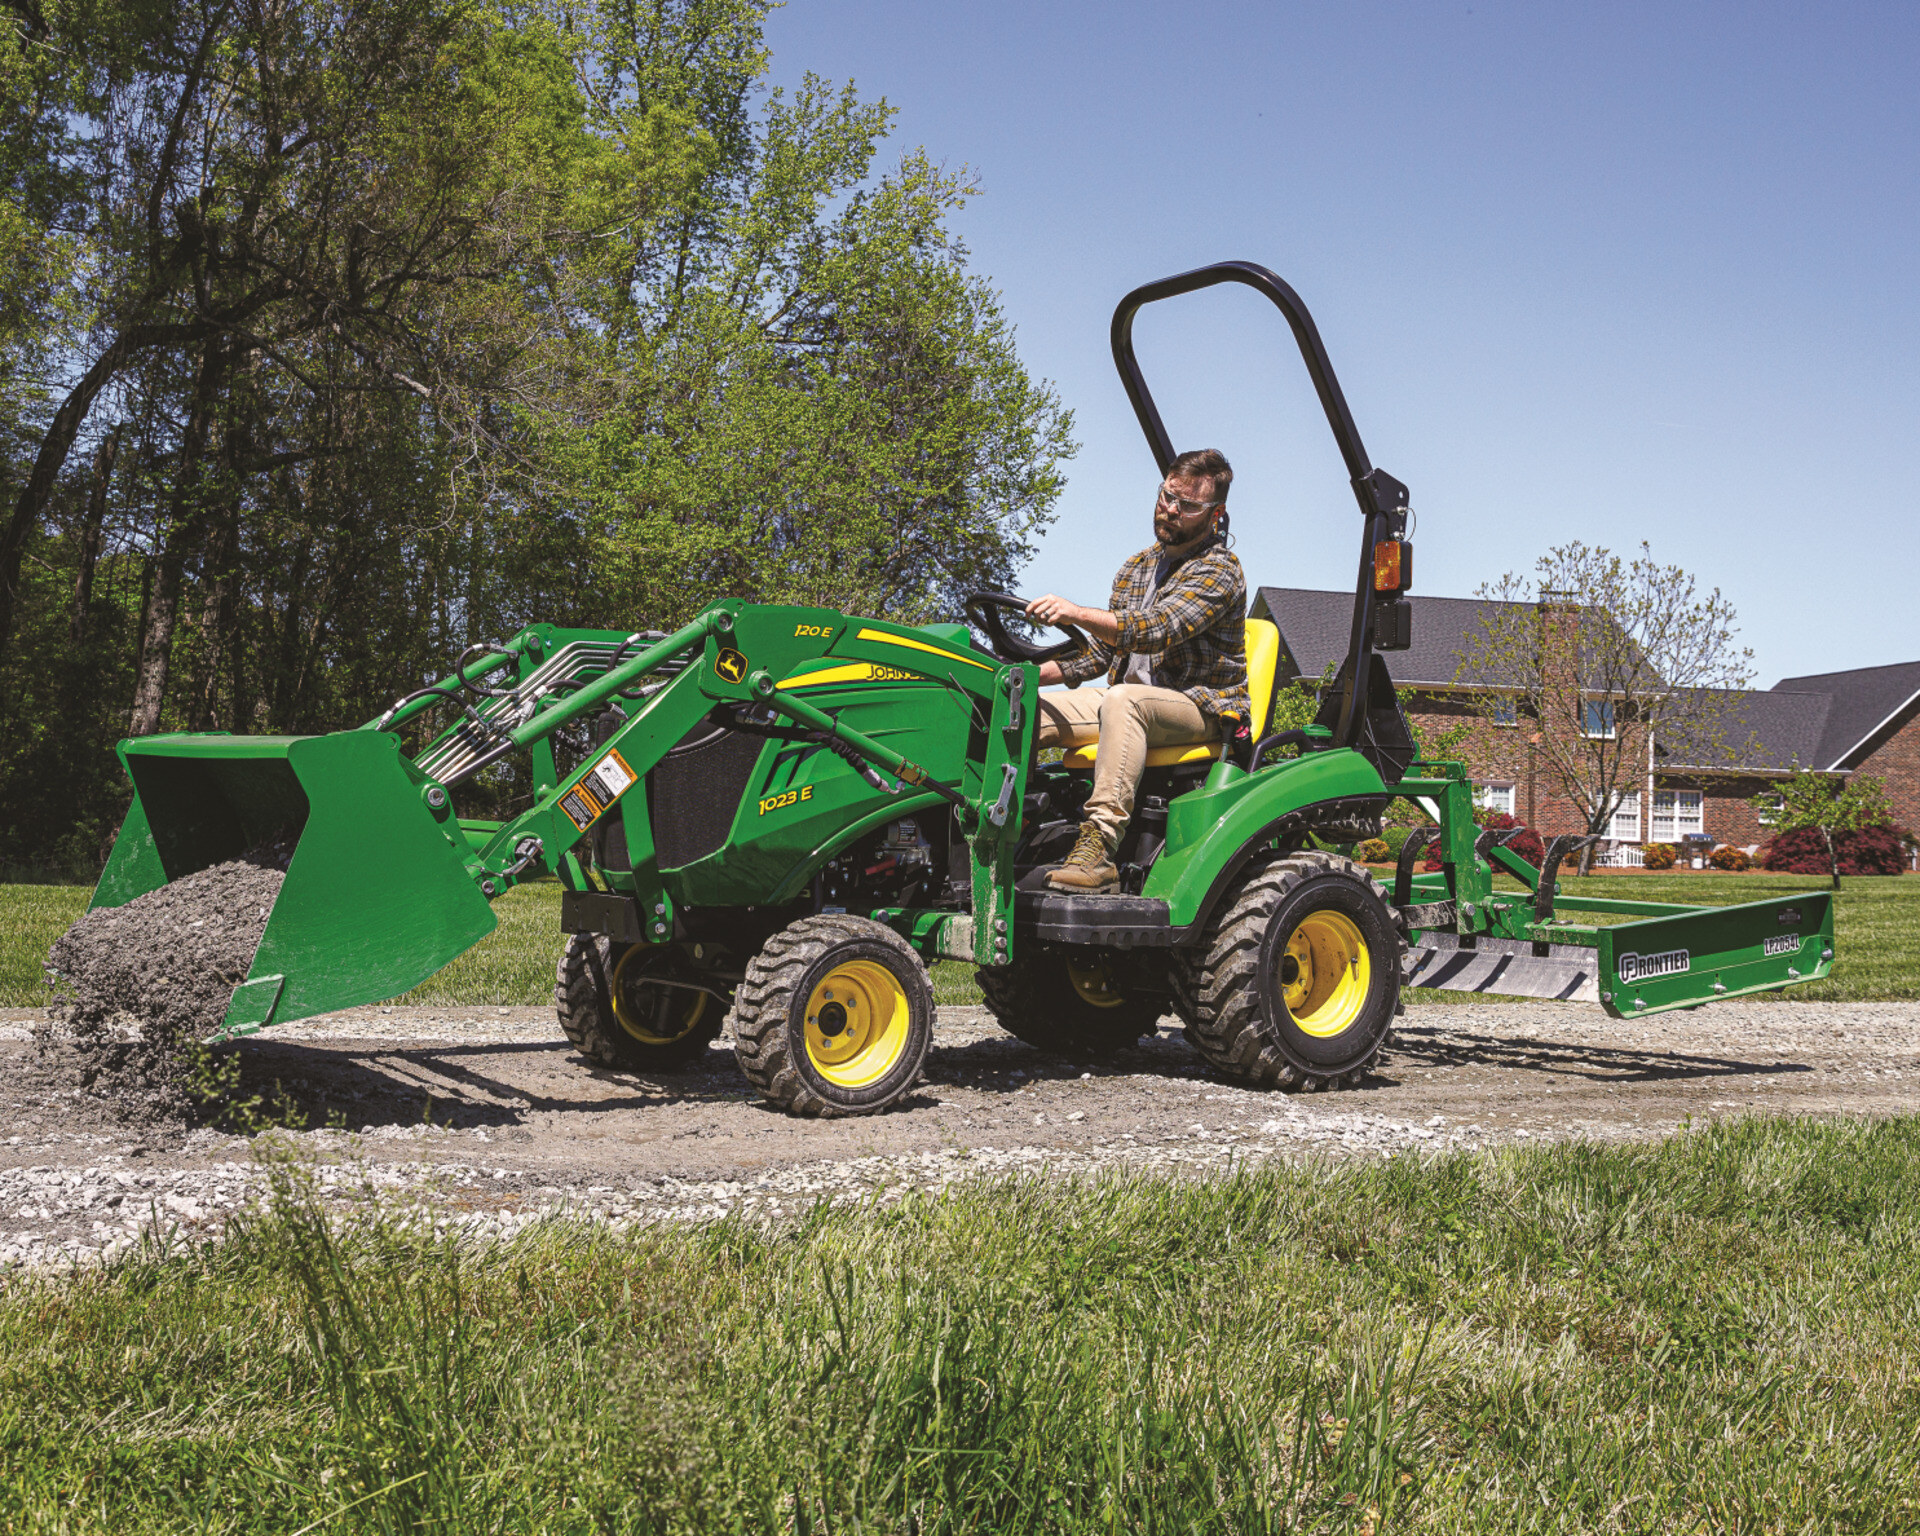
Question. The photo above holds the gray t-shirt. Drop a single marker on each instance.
(1140, 668)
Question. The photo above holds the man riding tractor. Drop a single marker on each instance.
(1172, 642)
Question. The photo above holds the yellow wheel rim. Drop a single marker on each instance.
(1094, 982)
(857, 1023)
(1325, 973)
(678, 1018)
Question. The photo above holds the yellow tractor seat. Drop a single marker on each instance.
(1263, 657)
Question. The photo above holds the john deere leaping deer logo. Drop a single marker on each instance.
(730, 664)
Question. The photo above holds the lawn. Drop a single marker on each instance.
(1877, 922)
(1711, 1334)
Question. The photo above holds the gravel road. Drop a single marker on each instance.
(487, 1117)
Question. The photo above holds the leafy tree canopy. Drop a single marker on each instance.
(340, 336)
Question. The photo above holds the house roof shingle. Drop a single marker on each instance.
(1314, 627)
(1863, 700)
(1774, 730)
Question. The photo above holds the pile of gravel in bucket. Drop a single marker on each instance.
(138, 987)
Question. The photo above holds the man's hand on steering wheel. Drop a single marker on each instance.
(1058, 610)
(1051, 610)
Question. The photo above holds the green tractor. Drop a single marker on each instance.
(777, 816)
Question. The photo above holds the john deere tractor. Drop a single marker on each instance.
(774, 817)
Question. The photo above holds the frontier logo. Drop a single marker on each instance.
(1674, 962)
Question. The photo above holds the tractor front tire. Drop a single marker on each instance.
(1298, 982)
(614, 1019)
(1067, 1004)
(834, 1017)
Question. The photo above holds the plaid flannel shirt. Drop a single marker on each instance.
(1195, 628)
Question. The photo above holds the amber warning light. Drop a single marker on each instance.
(1386, 566)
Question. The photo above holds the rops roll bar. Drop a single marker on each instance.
(1383, 499)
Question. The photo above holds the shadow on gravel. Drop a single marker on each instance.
(367, 1086)
(1595, 1063)
(405, 1085)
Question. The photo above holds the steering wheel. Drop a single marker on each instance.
(983, 608)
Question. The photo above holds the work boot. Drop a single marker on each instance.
(1087, 870)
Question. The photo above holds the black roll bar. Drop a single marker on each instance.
(1383, 499)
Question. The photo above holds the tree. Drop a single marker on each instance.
(1817, 802)
(1608, 656)
(828, 408)
(340, 336)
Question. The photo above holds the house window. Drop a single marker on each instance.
(1504, 710)
(1494, 797)
(1768, 811)
(1596, 718)
(1676, 813)
(1625, 827)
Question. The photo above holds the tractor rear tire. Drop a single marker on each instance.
(614, 1020)
(834, 1017)
(1066, 1005)
(1298, 982)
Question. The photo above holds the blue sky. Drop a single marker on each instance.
(1608, 273)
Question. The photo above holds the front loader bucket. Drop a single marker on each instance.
(377, 895)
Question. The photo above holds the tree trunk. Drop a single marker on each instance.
(47, 465)
(1833, 855)
(181, 531)
(1595, 829)
(216, 622)
(90, 534)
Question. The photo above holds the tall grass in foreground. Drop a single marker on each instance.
(1713, 1334)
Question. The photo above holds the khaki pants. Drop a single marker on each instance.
(1125, 720)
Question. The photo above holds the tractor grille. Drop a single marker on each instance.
(694, 790)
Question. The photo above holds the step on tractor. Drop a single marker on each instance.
(773, 818)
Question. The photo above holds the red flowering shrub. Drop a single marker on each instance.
(1658, 856)
(1527, 844)
(1870, 851)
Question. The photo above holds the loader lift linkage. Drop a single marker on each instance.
(779, 815)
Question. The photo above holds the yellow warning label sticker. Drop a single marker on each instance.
(581, 807)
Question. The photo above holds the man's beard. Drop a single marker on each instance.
(1166, 532)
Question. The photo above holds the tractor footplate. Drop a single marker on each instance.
(1117, 920)
(1568, 972)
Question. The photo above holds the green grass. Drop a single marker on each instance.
(31, 918)
(1877, 924)
(513, 964)
(1712, 1334)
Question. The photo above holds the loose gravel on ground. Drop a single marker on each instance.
(138, 986)
(488, 1119)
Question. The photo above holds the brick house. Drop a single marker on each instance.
(1843, 723)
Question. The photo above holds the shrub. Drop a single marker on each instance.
(1528, 844)
(1373, 851)
(1870, 851)
(1728, 857)
(1658, 855)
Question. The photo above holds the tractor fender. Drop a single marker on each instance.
(1212, 833)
